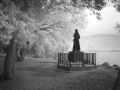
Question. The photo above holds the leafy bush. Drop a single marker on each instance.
(115, 67)
(105, 65)
(38, 51)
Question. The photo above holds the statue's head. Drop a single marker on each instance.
(76, 30)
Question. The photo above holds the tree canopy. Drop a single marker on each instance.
(45, 20)
(28, 21)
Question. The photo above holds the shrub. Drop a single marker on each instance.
(39, 51)
(115, 67)
(105, 65)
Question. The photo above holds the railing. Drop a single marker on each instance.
(87, 59)
(62, 58)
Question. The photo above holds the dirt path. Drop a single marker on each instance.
(35, 74)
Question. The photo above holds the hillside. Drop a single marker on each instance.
(100, 43)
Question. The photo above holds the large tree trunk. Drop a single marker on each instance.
(8, 71)
(23, 52)
(117, 82)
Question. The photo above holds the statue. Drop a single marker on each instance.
(76, 55)
(76, 45)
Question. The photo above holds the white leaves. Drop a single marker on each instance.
(56, 23)
(13, 20)
(5, 38)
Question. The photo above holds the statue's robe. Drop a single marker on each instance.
(76, 45)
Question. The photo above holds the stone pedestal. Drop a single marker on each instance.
(75, 56)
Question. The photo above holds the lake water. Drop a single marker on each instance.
(110, 57)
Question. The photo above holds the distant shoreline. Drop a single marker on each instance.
(109, 51)
(101, 51)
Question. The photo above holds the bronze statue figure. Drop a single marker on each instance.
(76, 45)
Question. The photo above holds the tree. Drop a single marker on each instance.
(13, 25)
(7, 26)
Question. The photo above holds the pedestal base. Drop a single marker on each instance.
(75, 56)
(67, 68)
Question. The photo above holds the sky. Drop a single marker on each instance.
(106, 26)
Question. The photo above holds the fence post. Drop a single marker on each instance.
(83, 59)
(92, 58)
(95, 58)
(62, 56)
(70, 63)
(58, 58)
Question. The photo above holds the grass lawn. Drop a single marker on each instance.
(34, 74)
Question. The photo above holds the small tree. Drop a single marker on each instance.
(13, 25)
